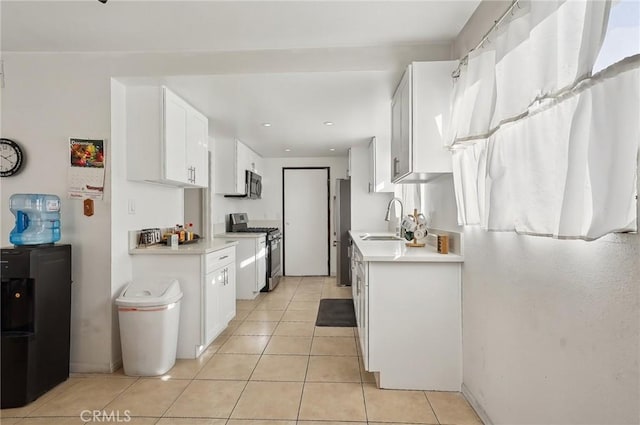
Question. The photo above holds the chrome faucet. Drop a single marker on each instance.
(387, 217)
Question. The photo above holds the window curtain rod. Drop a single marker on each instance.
(496, 24)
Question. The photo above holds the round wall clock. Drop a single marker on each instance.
(11, 158)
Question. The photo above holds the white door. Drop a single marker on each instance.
(306, 222)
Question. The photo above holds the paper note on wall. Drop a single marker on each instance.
(86, 169)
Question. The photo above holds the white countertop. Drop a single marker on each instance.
(239, 235)
(198, 248)
(398, 251)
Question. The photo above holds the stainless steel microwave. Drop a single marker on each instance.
(252, 187)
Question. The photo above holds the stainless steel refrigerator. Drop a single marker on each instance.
(341, 227)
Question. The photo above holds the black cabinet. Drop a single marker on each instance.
(35, 316)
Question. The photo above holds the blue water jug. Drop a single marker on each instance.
(37, 218)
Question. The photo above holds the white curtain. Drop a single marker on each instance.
(545, 47)
(567, 171)
(540, 147)
(474, 97)
(469, 172)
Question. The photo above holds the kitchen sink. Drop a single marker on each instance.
(379, 238)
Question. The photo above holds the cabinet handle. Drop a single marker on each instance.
(194, 175)
(395, 166)
(226, 276)
(370, 185)
(223, 257)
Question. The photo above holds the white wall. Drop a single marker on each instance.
(367, 209)
(268, 210)
(46, 101)
(550, 327)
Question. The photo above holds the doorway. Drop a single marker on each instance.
(305, 216)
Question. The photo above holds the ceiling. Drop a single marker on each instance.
(295, 103)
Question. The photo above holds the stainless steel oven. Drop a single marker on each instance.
(238, 222)
(274, 241)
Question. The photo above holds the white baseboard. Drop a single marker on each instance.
(473, 401)
(79, 367)
(76, 367)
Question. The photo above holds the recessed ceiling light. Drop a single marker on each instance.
(328, 123)
(332, 149)
(266, 124)
(287, 150)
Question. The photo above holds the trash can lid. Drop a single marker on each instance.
(149, 293)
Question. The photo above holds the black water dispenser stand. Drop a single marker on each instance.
(35, 316)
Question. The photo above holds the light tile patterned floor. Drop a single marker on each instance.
(271, 366)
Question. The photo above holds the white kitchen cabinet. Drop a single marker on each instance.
(419, 113)
(219, 293)
(360, 291)
(198, 148)
(251, 263)
(207, 281)
(379, 171)
(167, 139)
(211, 305)
(228, 295)
(409, 323)
(233, 159)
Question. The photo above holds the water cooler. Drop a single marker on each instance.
(35, 316)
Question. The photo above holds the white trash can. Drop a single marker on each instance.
(149, 313)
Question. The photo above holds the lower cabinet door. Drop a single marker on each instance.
(212, 321)
(228, 295)
(363, 329)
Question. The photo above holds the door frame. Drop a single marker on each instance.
(284, 254)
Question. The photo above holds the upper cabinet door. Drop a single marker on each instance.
(197, 148)
(243, 163)
(419, 114)
(167, 139)
(175, 139)
(233, 159)
(401, 129)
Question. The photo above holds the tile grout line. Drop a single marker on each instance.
(431, 406)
